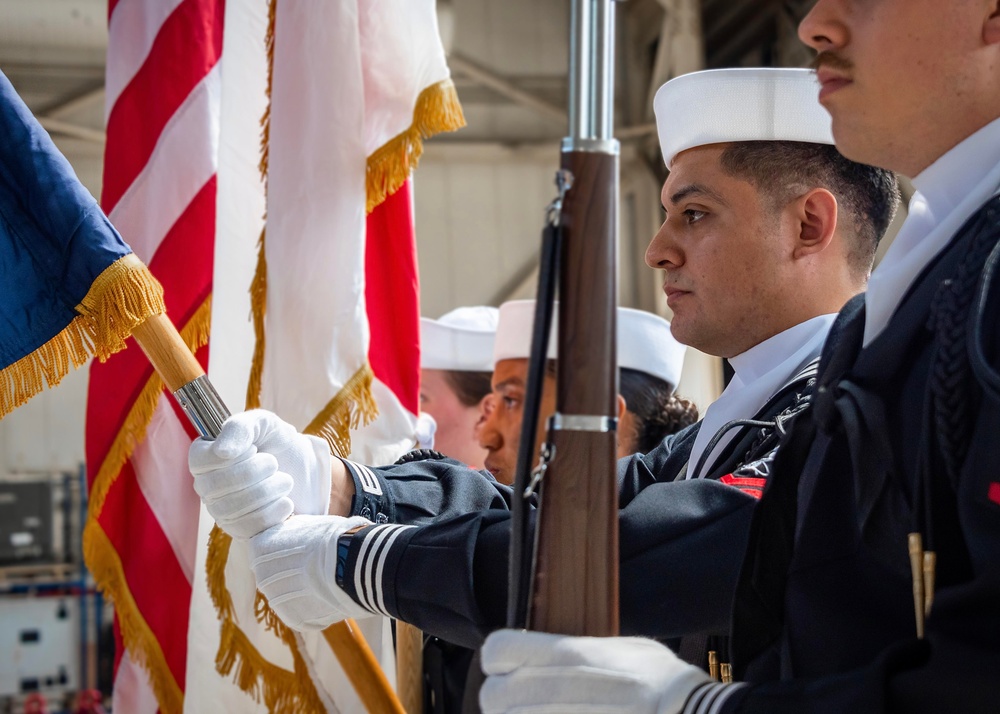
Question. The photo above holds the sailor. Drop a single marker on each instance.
(873, 572)
(649, 362)
(456, 364)
(768, 232)
(456, 367)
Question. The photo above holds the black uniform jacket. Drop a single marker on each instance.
(903, 436)
(449, 576)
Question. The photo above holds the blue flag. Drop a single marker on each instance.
(71, 287)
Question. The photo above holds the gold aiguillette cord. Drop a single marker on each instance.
(713, 665)
(930, 567)
(923, 565)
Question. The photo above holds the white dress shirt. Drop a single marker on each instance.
(948, 192)
(760, 372)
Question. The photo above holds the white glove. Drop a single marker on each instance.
(244, 491)
(535, 672)
(305, 458)
(295, 565)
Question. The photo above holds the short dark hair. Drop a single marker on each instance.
(469, 387)
(782, 170)
(657, 410)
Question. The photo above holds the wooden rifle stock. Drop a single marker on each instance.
(575, 588)
(576, 567)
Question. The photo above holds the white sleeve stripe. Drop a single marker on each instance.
(373, 557)
(369, 483)
(372, 486)
(694, 699)
(361, 584)
(381, 567)
(371, 564)
(709, 697)
(723, 694)
(358, 585)
(376, 537)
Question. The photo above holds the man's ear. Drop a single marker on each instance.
(991, 27)
(625, 436)
(816, 215)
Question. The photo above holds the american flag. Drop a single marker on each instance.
(162, 188)
(163, 94)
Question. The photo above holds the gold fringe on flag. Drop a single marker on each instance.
(121, 297)
(133, 429)
(258, 286)
(144, 648)
(352, 407)
(265, 120)
(281, 690)
(99, 554)
(258, 308)
(437, 109)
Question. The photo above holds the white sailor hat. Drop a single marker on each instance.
(743, 104)
(644, 343)
(461, 340)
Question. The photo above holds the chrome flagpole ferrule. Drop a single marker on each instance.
(203, 406)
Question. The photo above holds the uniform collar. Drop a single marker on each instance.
(772, 354)
(949, 191)
(761, 372)
(948, 181)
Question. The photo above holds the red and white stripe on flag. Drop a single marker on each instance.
(163, 94)
(342, 310)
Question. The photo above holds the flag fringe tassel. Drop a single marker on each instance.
(351, 407)
(143, 647)
(437, 109)
(265, 120)
(258, 308)
(281, 690)
(133, 430)
(99, 554)
(121, 297)
(258, 286)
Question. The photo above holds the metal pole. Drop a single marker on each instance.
(591, 77)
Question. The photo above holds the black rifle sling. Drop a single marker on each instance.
(521, 541)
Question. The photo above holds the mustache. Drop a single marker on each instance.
(830, 59)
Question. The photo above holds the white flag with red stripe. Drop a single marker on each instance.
(163, 88)
(340, 331)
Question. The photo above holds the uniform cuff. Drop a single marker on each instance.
(372, 558)
(371, 494)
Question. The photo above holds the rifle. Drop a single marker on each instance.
(575, 574)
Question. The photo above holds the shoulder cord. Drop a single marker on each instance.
(726, 428)
(952, 391)
(777, 424)
(988, 377)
